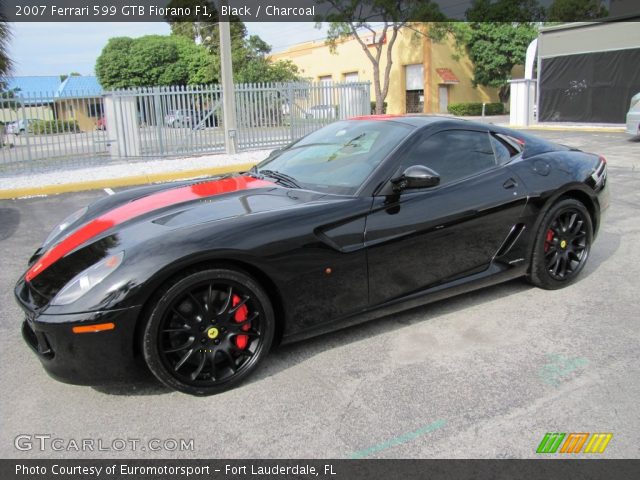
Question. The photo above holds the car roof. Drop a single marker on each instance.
(420, 120)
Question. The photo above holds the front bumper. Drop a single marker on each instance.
(95, 358)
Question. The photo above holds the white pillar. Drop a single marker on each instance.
(228, 93)
(123, 131)
(523, 98)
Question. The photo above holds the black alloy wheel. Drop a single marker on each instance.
(208, 331)
(562, 245)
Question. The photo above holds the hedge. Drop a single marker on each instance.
(39, 127)
(475, 109)
(373, 108)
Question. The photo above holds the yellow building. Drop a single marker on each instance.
(425, 76)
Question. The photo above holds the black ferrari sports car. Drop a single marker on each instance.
(198, 279)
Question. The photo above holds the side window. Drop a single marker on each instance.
(453, 154)
(503, 150)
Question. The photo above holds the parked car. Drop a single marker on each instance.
(322, 112)
(179, 118)
(362, 218)
(19, 126)
(101, 124)
(633, 116)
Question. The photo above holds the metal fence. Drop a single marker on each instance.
(46, 132)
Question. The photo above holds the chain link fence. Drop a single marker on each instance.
(43, 132)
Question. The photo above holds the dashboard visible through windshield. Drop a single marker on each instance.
(335, 159)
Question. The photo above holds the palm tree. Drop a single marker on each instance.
(5, 35)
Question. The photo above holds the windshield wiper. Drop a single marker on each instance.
(283, 178)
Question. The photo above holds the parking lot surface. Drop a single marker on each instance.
(482, 375)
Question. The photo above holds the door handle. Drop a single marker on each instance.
(510, 183)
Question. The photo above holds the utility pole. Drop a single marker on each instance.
(228, 93)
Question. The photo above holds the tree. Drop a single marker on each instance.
(252, 64)
(64, 76)
(576, 10)
(249, 54)
(153, 60)
(493, 40)
(508, 11)
(352, 19)
(5, 62)
(199, 28)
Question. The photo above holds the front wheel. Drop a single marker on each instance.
(208, 331)
(562, 245)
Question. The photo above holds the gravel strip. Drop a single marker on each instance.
(130, 169)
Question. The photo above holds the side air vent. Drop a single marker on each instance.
(511, 239)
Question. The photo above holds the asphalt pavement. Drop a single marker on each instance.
(482, 375)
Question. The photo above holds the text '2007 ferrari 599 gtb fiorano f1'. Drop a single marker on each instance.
(362, 218)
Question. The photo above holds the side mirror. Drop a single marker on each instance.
(416, 176)
(274, 152)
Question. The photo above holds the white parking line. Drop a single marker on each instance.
(109, 191)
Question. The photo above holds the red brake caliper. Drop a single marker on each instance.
(240, 316)
(548, 239)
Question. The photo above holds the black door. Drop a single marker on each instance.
(424, 237)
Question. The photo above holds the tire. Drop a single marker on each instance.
(208, 330)
(562, 245)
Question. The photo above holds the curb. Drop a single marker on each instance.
(121, 182)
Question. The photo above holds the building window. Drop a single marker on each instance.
(415, 101)
(351, 77)
(414, 88)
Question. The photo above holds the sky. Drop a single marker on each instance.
(59, 48)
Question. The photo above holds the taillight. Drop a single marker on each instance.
(602, 159)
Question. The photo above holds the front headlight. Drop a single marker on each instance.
(88, 279)
(62, 226)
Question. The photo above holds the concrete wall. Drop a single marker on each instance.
(315, 60)
(576, 38)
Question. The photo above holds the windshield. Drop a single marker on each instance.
(337, 158)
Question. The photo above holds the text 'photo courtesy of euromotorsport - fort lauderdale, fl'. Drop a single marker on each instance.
(334, 239)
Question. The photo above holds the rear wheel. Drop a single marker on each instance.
(208, 331)
(562, 245)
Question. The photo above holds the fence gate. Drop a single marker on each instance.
(48, 132)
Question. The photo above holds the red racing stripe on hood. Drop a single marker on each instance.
(139, 207)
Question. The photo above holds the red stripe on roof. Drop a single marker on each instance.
(139, 207)
(385, 116)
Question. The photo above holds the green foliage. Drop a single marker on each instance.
(8, 98)
(6, 64)
(475, 109)
(153, 60)
(576, 10)
(494, 47)
(251, 64)
(64, 76)
(373, 108)
(40, 127)
(505, 11)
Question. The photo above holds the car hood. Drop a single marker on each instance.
(173, 205)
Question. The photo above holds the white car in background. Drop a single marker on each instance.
(633, 116)
(322, 112)
(19, 126)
